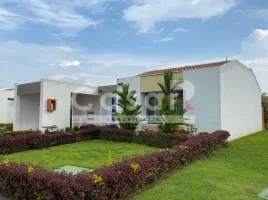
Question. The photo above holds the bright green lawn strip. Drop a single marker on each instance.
(237, 172)
(88, 154)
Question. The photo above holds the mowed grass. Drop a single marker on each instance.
(88, 154)
(237, 172)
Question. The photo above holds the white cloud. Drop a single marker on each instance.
(26, 62)
(9, 20)
(256, 45)
(64, 15)
(177, 30)
(166, 39)
(70, 63)
(146, 13)
(255, 55)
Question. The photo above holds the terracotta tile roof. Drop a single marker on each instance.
(180, 69)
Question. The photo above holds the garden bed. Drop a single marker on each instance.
(117, 181)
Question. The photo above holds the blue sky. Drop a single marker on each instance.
(97, 41)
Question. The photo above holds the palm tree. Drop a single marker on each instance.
(128, 117)
(168, 87)
(170, 104)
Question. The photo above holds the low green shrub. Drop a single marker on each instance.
(6, 127)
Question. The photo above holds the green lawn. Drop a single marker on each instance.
(237, 172)
(89, 154)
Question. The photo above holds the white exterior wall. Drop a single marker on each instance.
(6, 106)
(206, 99)
(29, 112)
(240, 100)
(62, 92)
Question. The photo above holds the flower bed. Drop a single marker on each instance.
(115, 182)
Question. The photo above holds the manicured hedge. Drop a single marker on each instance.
(159, 139)
(19, 143)
(15, 133)
(109, 183)
(148, 138)
(26, 140)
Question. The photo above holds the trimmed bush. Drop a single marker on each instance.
(6, 126)
(108, 183)
(27, 140)
(148, 138)
(15, 133)
(117, 134)
(159, 139)
(19, 143)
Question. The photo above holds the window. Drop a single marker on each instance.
(113, 109)
(51, 105)
(156, 111)
(153, 111)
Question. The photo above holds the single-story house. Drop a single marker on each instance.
(7, 105)
(222, 95)
(49, 104)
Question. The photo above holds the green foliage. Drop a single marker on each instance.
(170, 104)
(110, 160)
(128, 117)
(6, 127)
(265, 107)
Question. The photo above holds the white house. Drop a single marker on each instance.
(7, 105)
(50, 104)
(223, 95)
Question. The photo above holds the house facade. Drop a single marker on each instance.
(7, 105)
(52, 104)
(223, 95)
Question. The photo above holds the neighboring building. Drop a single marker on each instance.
(223, 95)
(49, 104)
(7, 105)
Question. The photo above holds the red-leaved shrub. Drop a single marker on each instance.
(12, 144)
(16, 133)
(118, 181)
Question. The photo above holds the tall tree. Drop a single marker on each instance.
(128, 117)
(171, 104)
